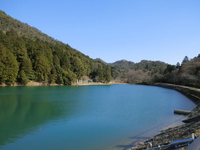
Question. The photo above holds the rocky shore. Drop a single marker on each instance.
(192, 122)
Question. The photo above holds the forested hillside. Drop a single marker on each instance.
(26, 54)
(143, 72)
(188, 73)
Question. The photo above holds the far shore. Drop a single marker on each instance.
(99, 83)
(33, 83)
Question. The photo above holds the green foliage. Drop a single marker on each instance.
(26, 66)
(107, 75)
(42, 68)
(123, 65)
(22, 78)
(169, 69)
(68, 77)
(101, 72)
(77, 67)
(53, 76)
(8, 66)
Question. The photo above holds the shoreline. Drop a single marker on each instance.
(33, 83)
(178, 132)
(98, 83)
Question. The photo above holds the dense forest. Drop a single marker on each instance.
(26, 54)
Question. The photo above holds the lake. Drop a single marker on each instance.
(97, 117)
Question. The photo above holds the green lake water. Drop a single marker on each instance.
(99, 117)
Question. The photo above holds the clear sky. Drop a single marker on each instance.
(165, 30)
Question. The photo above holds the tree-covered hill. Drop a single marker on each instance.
(123, 64)
(145, 65)
(188, 73)
(140, 73)
(26, 54)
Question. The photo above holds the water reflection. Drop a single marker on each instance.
(22, 111)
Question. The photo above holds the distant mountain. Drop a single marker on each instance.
(123, 64)
(100, 60)
(150, 65)
(137, 73)
(143, 65)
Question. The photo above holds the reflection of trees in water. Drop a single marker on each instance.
(24, 109)
(19, 115)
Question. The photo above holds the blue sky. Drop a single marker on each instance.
(165, 30)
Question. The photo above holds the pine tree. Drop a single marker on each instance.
(185, 60)
(26, 66)
(77, 67)
(178, 65)
(42, 68)
(107, 74)
(22, 78)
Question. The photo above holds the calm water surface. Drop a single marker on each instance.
(85, 117)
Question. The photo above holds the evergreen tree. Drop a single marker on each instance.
(26, 66)
(100, 72)
(53, 76)
(185, 60)
(8, 66)
(178, 65)
(68, 77)
(77, 67)
(65, 61)
(22, 77)
(107, 74)
(169, 69)
(42, 68)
